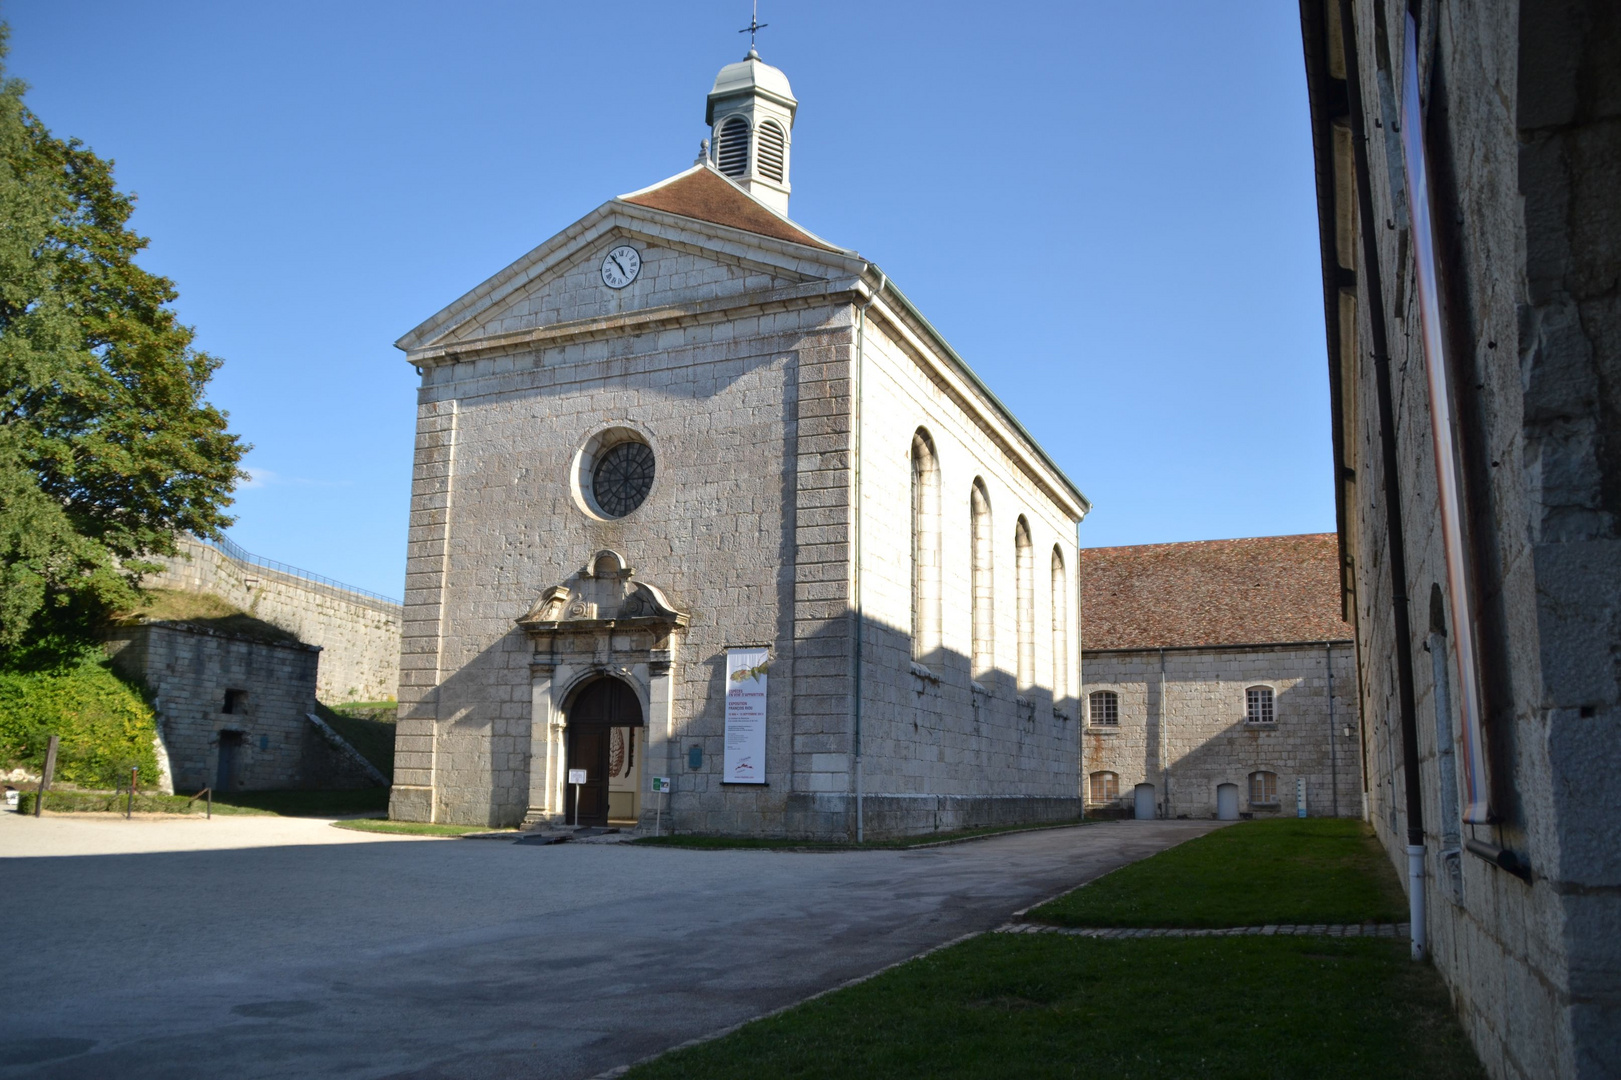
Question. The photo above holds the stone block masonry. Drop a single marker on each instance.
(1194, 736)
(233, 713)
(359, 635)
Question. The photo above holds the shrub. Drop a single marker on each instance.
(105, 724)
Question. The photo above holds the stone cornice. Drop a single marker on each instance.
(646, 320)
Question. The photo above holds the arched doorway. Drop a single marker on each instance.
(1143, 802)
(1227, 802)
(604, 739)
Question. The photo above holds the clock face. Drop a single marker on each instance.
(620, 266)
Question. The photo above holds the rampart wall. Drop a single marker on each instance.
(359, 635)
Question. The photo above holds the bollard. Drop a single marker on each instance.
(129, 807)
(45, 773)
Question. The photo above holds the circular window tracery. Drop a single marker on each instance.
(622, 478)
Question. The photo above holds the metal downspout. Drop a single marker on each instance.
(1333, 747)
(1392, 494)
(857, 613)
(1164, 750)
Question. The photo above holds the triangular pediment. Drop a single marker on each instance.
(700, 239)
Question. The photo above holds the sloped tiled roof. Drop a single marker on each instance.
(1212, 592)
(706, 195)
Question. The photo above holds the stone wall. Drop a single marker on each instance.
(359, 635)
(1198, 736)
(746, 529)
(196, 674)
(1523, 131)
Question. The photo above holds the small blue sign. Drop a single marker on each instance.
(695, 757)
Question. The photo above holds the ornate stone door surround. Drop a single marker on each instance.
(598, 622)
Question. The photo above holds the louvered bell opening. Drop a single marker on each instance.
(732, 155)
(772, 144)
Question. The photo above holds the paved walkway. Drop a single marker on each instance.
(273, 947)
(1383, 930)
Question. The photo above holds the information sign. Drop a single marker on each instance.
(745, 715)
(661, 783)
(576, 776)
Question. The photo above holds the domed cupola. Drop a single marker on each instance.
(751, 121)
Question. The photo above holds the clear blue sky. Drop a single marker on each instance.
(1107, 208)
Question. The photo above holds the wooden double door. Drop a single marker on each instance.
(597, 709)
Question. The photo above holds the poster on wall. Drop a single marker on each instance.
(745, 715)
(1477, 810)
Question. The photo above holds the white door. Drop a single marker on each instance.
(1227, 802)
(1144, 808)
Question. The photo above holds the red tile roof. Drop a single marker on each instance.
(1212, 592)
(706, 195)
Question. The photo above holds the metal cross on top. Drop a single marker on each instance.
(754, 26)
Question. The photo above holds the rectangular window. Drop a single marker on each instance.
(234, 701)
(1105, 708)
(1258, 705)
(1263, 789)
(1105, 787)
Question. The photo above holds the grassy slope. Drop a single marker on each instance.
(104, 722)
(1014, 1005)
(1285, 870)
(371, 734)
(207, 610)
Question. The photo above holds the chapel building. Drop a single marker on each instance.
(699, 495)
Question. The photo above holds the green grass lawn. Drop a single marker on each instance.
(1004, 1005)
(1285, 870)
(282, 803)
(414, 828)
(718, 843)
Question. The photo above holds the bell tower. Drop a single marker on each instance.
(751, 122)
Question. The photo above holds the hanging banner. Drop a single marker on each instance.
(1428, 287)
(745, 715)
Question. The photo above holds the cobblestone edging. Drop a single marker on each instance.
(1383, 930)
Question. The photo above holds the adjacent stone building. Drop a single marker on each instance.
(686, 444)
(1220, 680)
(1468, 160)
(235, 711)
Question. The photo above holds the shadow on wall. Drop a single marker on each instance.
(1300, 744)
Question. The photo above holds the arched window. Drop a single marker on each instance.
(773, 145)
(925, 547)
(1263, 789)
(1060, 628)
(732, 147)
(1104, 787)
(1104, 708)
(1025, 561)
(984, 598)
(1258, 705)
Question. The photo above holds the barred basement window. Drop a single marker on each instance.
(1258, 705)
(732, 148)
(1105, 708)
(1105, 787)
(772, 145)
(1263, 789)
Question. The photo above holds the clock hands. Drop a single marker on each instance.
(619, 264)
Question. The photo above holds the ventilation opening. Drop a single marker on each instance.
(732, 148)
(772, 145)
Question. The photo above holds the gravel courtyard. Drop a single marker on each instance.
(277, 947)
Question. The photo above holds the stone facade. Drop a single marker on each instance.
(1177, 638)
(1184, 731)
(359, 634)
(782, 385)
(1521, 102)
(217, 694)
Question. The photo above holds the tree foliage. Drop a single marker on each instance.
(108, 448)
